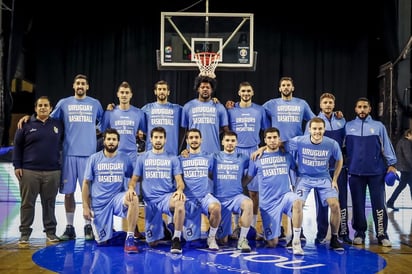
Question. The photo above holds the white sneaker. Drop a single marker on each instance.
(385, 242)
(358, 241)
(211, 242)
(297, 248)
(243, 245)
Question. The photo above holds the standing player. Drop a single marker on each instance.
(275, 195)
(80, 114)
(163, 186)
(126, 119)
(196, 168)
(370, 155)
(288, 113)
(206, 115)
(335, 129)
(248, 120)
(104, 194)
(228, 171)
(164, 114)
(312, 154)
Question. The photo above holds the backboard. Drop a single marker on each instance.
(182, 34)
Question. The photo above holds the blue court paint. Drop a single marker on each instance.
(80, 256)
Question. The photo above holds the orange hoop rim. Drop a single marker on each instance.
(206, 56)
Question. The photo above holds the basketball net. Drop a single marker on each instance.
(207, 63)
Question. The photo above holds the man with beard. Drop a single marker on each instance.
(248, 120)
(229, 169)
(80, 114)
(370, 156)
(288, 114)
(104, 194)
(276, 198)
(205, 114)
(164, 114)
(161, 175)
(196, 168)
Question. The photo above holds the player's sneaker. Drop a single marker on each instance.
(384, 242)
(243, 245)
(211, 243)
(335, 244)
(88, 232)
(69, 233)
(52, 238)
(358, 241)
(24, 239)
(320, 241)
(129, 245)
(346, 239)
(297, 248)
(176, 246)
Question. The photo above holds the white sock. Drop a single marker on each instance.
(212, 231)
(177, 234)
(243, 232)
(296, 233)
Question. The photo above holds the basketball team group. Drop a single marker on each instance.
(226, 163)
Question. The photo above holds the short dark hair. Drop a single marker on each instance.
(193, 130)
(111, 131)
(81, 76)
(158, 129)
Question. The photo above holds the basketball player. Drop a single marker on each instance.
(104, 193)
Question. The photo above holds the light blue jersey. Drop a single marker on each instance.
(196, 168)
(272, 171)
(288, 116)
(228, 171)
(80, 117)
(167, 116)
(127, 123)
(157, 172)
(313, 159)
(208, 117)
(248, 122)
(107, 178)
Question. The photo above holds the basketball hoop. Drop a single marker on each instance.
(207, 63)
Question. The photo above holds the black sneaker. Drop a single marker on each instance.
(335, 244)
(69, 233)
(24, 239)
(346, 239)
(176, 246)
(52, 238)
(320, 241)
(88, 232)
